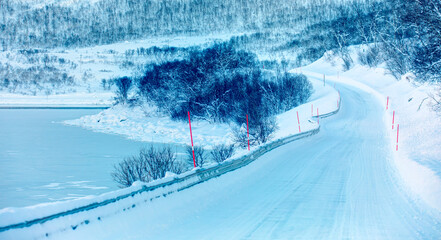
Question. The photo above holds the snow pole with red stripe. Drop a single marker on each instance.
(248, 134)
(191, 137)
(298, 121)
(393, 120)
(318, 117)
(387, 103)
(398, 131)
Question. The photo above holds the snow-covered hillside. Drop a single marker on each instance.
(84, 75)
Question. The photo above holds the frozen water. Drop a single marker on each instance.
(43, 160)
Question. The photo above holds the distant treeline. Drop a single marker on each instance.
(29, 25)
(405, 34)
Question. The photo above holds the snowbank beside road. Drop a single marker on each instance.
(418, 159)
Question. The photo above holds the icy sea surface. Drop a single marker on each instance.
(43, 160)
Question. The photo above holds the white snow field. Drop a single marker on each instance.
(341, 183)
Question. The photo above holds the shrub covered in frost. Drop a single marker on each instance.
(222, 152)
(199, 155)
(148, 165)
(221, 84)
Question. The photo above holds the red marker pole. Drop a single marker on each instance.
(318, 116)
(191, 136)
(393, 119)
(298, 121)
(248, 134)
(387, 103)
(398, 131)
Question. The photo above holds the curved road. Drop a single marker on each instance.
(338, 184)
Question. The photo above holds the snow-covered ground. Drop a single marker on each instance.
(418, 159)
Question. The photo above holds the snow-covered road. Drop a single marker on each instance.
(338, 184)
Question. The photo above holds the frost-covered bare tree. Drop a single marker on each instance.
(222, 152)
(123, 86)
(423, 17)
(199, 155)
(149, 164)
(436, 100)
(130, 170)
(158, 162)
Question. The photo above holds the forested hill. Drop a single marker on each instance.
(42, 24)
